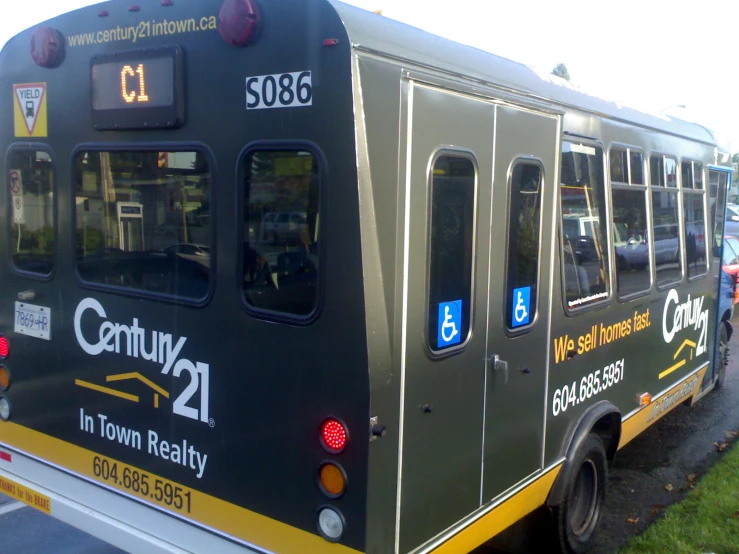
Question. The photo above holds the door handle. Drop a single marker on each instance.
(500, 365)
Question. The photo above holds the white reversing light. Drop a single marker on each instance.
(331, 524)
(4, 408)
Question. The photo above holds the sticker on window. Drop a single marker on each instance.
(450, 321)
(521, 303)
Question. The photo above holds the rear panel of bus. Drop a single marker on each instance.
(182, 281)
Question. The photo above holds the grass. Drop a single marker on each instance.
(706, 521)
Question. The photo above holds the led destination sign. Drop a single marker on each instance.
(138, 90)
(133, 84)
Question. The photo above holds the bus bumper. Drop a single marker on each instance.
(110, 516)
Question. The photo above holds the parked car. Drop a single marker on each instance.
(731, 227)
(730, 262)
(281, 227)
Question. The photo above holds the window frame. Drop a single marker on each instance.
(695, 192)
(449, 150)
(644, 188)
(200, 147)
(32, 147)
(605, 302)
(677, 190)
(530, 160)
(319, 157)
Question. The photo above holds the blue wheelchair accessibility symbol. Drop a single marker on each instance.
(521, 303)
(450, 323)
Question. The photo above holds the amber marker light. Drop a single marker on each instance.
(332, 479)
(643, 399)
(4, 378)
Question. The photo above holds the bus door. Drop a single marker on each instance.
(719, 183)
(446, 241)
(522, 232)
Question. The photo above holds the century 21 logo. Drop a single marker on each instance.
(160, 348)
(685, 315)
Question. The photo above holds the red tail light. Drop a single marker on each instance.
(334, 435)
(4, 347)
(47, 47)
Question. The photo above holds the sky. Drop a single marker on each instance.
(656, 55)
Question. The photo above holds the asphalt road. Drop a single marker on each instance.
(653, 471)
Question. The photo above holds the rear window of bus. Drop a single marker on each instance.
(143, 221)
(280, 244)
(32, 211)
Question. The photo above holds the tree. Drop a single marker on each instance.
(561, 71)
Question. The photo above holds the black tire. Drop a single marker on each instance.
(723, 355)
(578, 517)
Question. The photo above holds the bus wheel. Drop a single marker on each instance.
(723, 356)
(578, 516)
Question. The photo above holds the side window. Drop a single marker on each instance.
(143, 221)
(637, 168)
(281, 254)
(716, 178)
(657, 170)
(584, 243)
(451, 234)
(524, 239)
(32, 210)
(695, 234)
(629, 200)
(665, 220)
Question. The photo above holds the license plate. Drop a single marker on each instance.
(33, 321)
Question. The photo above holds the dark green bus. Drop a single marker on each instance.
(287, 276)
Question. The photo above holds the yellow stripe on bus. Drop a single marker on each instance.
(658, 407)
(502, 516)
(218, 514)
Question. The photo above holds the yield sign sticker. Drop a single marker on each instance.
(30, 110)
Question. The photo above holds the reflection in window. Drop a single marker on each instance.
(619, 166)
(31, 186)
(671, 171)
(695, 234)
(637, 168)
(665, 218)
(143, 221)
(716, 182)
(657, 170)
(451, 241)
(523, 245)
(698, 175)
(633, 267)
(281, 231)
(687, 174)
(584, 247)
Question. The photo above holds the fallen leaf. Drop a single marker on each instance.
(720, 446)
(736, 514)
(669, 487)
(692, 477)
(632, 520)
(731, 434)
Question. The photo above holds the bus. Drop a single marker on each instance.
(289, 276)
